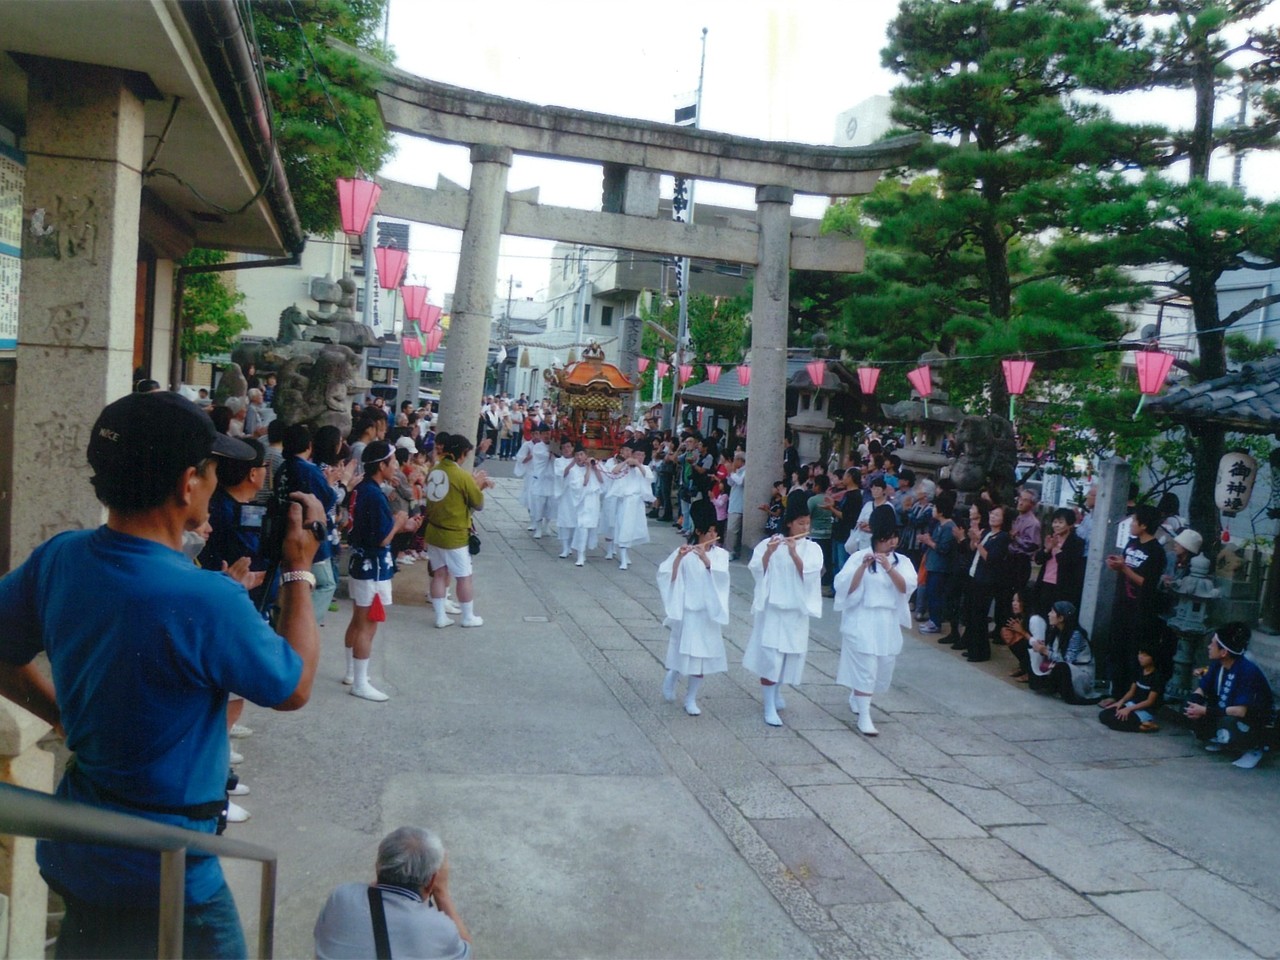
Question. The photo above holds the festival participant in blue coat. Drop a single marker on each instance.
(788, 574)
(1233, 702)
(871, 592)
(371, 566)
(694, 585)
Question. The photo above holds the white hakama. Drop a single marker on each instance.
(784, 601)
(871, 622)
(631, 492)
(697, 607)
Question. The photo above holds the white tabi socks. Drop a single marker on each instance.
(669, 686)
(608, 549)
(691, 697)
(564, 544)
(582, 557)
(623, 562)
(853, 703)
(771, 705)
(865, 726)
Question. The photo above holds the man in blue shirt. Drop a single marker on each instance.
(144, 648)
(1233, 702)
(299, 475)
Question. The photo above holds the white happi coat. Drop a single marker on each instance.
(872, 617)
(631, 492)
(538, 481)
(696, 604)
(783, 603)
(565, 513)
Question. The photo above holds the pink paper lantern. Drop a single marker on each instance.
(430, 318)
(356, 200)
(713, 373)
(867, 379)
(686, 371)
(744, 375)
(434, 338)
(817, 370)
(415, 300)
(391, 263)
(643, 364)
(1016, 375)
(663, 367)
(1153, 367)
(922, 380)
(410, 343)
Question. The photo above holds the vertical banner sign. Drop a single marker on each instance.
(12, 179)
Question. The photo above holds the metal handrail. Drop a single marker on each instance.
(30, 813)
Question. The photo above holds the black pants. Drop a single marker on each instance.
(1237, 733)
(828, 563)
(1057, 680)
(977, 641)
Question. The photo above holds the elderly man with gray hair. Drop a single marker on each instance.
(408, 912)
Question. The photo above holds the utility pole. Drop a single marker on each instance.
(580, 301)
(504, 329)
(370, 265)
(682, 331)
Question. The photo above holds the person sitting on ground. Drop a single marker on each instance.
(1019, 632)
(1066, 647)
(1233, 701)
(1133, 713)
(409, 908)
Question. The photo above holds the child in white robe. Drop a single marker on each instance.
(586, 487)
(871, 593)
(533, 463)
(788, 573)
(632, 490)
(565, 513)
(694, 584)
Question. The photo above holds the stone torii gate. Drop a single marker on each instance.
(633, 154)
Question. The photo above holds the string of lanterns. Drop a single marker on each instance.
(358, 197)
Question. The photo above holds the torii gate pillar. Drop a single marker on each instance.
(766, 403)
(472, 311)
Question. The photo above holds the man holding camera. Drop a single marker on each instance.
(299, 475)
(141, 673)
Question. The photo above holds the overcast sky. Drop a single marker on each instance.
(775, 69)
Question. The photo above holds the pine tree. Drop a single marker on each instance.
(1202, 227)
(957, 259)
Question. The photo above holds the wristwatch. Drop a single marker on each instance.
(293, 576)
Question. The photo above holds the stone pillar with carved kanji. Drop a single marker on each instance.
(76, 308)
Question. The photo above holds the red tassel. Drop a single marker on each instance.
(377, 612)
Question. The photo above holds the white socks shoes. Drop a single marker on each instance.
(350, 676)
(469, 618)
(691, 697)
(442, 621)
(865, 726)
(362, 688)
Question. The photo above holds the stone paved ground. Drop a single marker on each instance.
(587, 816)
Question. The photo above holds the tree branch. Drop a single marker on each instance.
(1248, 308)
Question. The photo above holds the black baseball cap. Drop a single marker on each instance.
(161, 433)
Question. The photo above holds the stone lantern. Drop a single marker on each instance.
(1189, 624)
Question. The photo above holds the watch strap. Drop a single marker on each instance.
(292, 576)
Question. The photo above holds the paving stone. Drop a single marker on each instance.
(1000, 770)
(908, 750)
(892, 931)
(860, 820)
(989, 860)
(1006, 946)
(1169, 926)
(904, 700)
(1040, 898)
(946, 896)
(1039, 791)
(646, 629)
(1096, 936)
(928, 814)
(756, 792)
(955, 773)
(1141, 856)
(803, 714)
(1066, 858)
(851, 753)
(1021, 729)
(987, 807)
(810, 774)
(1094, 749)
(1085, 822)
(822, 863)
(1249, 920)
(791, 751)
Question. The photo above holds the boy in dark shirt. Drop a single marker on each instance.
(1135, 622)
